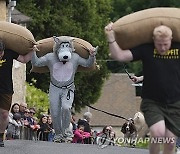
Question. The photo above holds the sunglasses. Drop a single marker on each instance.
(32, 112)
(23, 106)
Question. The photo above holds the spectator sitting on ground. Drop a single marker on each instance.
(80, 135)
(106, 136)
(85, 121)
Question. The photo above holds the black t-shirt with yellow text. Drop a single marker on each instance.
(6, 63)
(161, 72)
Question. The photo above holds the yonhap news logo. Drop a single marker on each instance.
(159, 140)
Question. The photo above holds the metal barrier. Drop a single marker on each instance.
(28, 133)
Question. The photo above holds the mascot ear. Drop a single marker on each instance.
(72, 44)
(56, 39)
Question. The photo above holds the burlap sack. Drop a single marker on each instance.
(46, 45)
(16, 37)
(137, 28)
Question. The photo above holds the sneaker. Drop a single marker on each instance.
(68, 139)
(58, 138)
(1, 143)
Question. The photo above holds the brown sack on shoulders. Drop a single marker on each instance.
(46, 45)
(16, 37)
(137, 28)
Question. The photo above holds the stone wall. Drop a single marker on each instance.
(19, 78)
(2, 10)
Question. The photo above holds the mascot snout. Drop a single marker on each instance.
(64, 55)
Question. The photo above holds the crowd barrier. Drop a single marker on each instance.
(28, 134)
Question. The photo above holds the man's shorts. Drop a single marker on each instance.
(155, 111)
(5, 101)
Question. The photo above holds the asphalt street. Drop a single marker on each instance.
(42, 147)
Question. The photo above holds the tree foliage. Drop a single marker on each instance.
(79, 18)
(37, 98)
(84, 19)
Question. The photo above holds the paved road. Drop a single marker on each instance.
(40, 147)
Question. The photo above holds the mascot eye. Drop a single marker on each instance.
(62, 45)
(67, 45)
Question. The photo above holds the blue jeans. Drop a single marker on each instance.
(50, 136)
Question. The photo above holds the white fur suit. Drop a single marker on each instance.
(62, 63)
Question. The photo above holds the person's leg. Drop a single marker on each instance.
(55, 108)
(156, 130)
(5, 104)
(3, 120)
(169, 147)
(3, 124)
(66, 110)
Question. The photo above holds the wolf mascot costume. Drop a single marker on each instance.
(62, 63)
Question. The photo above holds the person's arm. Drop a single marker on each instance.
(86, 134)
(90, 61)
(25, 58)
(115, 50)
(78, 135)
(39, 62)
(137, 79)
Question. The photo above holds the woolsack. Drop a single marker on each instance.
(137, 28)
(16, 37)
(46, 45)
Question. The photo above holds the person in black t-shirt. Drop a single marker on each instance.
(6, 84)
(161, 84)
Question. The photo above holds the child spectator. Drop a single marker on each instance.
(80, 135)
(86, 123)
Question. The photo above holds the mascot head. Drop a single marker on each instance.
(63, 47)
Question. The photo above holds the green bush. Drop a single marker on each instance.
(38, 99)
